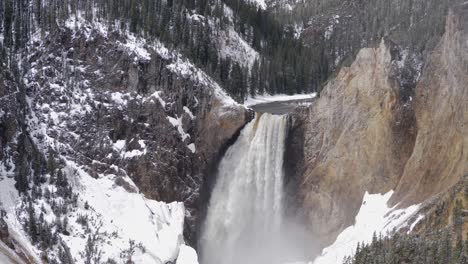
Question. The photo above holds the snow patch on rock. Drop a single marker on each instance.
(266, 98)
(9, 201)
(187, 70)
(121, 216)
(187, 255)
(374, 216)
(233, 46)
(177, 123)
(413, 225)
(259, 3)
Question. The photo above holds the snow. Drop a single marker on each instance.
(136, 45)
(192, 148)
(261, 99)
(156, 225)
(259, 3)
(75, 22)
(413, 225)
(120, 213)
(233, 46)
(187, 255)
(133, 44)
(157, 96)
(8, 256)
(133, 153)
(177, 123)
(119, 98)
(196, 17)
(188, 70)
(9, 201)
(187, 110)
(298, 29)
(228, 13)
(117, 214)
(331, 27)
(374, 216)
(119, 145)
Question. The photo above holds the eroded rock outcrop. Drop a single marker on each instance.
(381, 125)
(353, 141)
(440, 155)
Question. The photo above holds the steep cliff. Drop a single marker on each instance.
(116, 115)
(439, 158)
(352, 143)
(393, 120)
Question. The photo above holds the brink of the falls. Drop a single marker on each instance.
(245, 222)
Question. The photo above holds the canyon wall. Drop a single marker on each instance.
(393, 120)
(440, 157)
(117, 106)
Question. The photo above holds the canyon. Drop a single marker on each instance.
(155, 151)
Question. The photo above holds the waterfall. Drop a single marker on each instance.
(244, 222)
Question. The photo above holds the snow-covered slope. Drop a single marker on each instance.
(279, 5)
(119, 217)
(233, 46)
(261, 99)
(107, 214)
(374, 217)
(108, 138)
(227, 41)
(9, 202)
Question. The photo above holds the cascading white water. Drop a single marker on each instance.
(244, 223)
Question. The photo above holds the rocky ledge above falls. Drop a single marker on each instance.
(385, 123)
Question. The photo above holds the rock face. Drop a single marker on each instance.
(119, 107)
(338, 29)
(440, 155)
(352, 142)
(381, 124)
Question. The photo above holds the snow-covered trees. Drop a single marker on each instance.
(192, 27)
(444, 247)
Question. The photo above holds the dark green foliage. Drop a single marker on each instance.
(31, 222)
(254, 79)
(283, 58)
(64, 255)
(23, 169)
(44, 234)
(433, 247)
(444, 247)
(91, 253)
(126, 255)
(237, 82)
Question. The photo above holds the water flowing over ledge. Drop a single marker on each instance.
(244, 220)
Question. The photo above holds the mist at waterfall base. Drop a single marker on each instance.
(245, 222)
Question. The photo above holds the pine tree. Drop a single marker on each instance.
(238, 87)
(458, 250)
(32, 225)
(21, 176)
(254, 78)
(445, 249)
